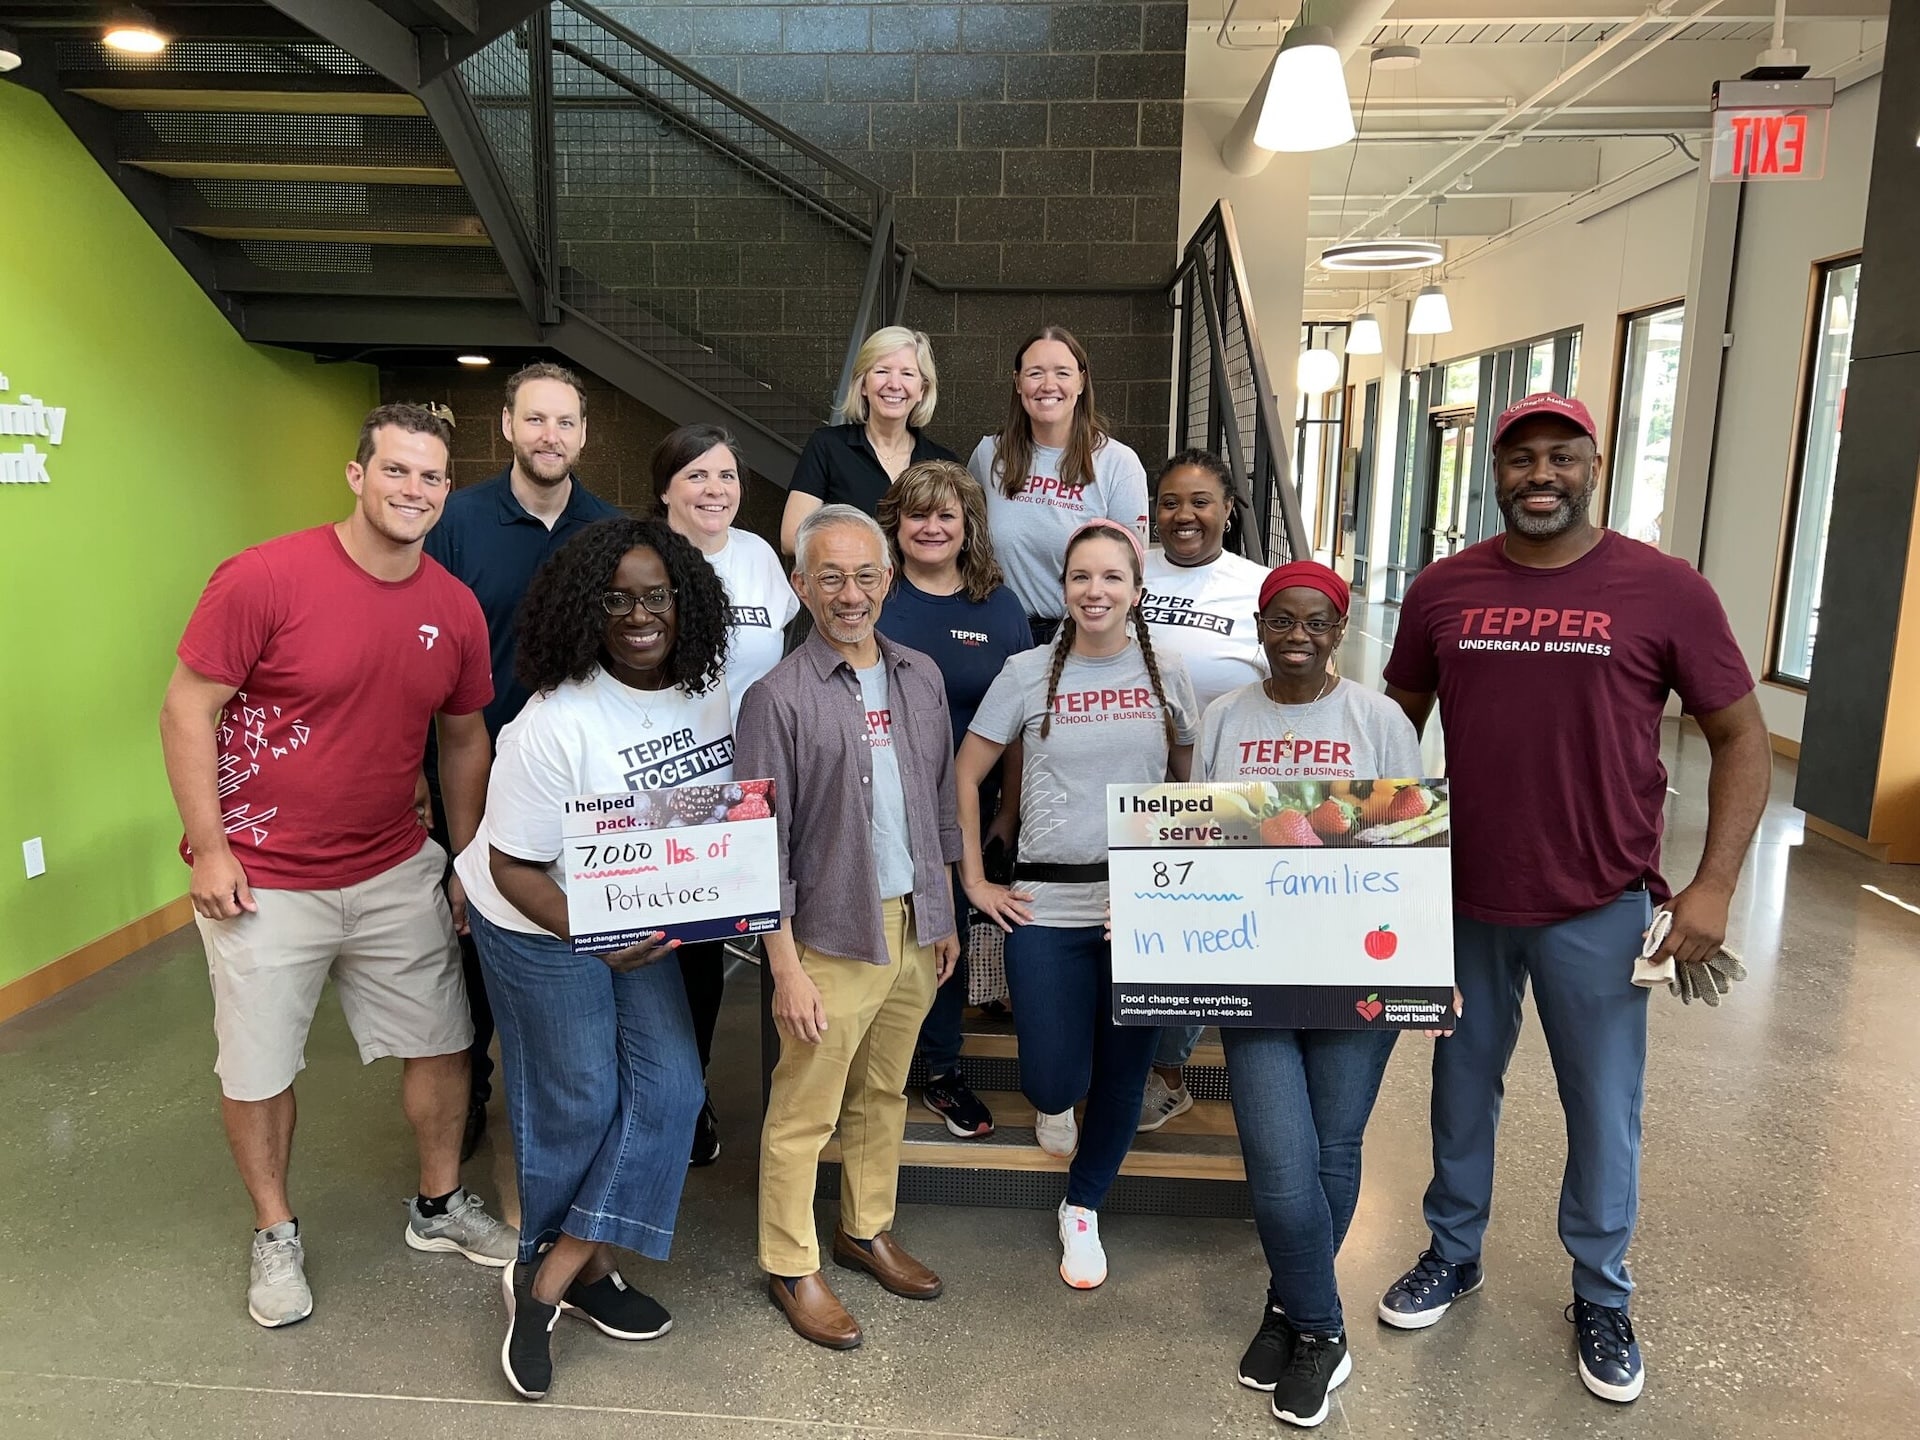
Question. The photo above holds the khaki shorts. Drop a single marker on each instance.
(388, 943)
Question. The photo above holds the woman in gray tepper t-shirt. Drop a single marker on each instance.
(1095, 707)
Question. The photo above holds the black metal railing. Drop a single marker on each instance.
(1223, 396)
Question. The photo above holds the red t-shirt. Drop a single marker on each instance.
(339, 676)
(1552, 684)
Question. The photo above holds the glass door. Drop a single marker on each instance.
(1450, 471)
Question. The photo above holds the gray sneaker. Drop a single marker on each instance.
(1162, 1102)
(277, 1293)
(466, 1227)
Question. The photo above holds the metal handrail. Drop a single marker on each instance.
(870, 301)
(727, 98)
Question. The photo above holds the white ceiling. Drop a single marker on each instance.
(1627, 121)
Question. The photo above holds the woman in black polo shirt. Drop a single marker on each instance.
(894, 389)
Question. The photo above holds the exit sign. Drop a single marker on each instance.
(1770, 129)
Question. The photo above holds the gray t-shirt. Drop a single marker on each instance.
(892, 850)
(1030, 529)
(1353, 733)
(1106, 730)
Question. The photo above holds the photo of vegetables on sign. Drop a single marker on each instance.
(701, 862)
(1301, 904)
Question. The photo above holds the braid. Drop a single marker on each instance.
(1062, 646)
(1153, 674)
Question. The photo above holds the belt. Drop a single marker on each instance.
(1062, 874)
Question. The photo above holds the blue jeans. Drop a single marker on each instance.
(1301, 1099)
(1061, 982)
(1595, 1021)
(603, 1085)
(939, 1043)
(1176, 1044)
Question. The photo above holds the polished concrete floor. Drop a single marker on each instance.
(1778, 1255)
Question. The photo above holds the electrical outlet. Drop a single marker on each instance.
(35, 856)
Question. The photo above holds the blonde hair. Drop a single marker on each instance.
(884, 341)
(921, 487)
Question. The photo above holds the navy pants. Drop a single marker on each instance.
(1595, 1021)
(1061, 981)
(1301, 1099)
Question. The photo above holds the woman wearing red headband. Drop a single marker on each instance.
(1301, 1098)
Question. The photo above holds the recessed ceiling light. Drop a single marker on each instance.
(1389, 253)
(476, 361)
(132, 30)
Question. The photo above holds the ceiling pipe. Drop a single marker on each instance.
(1350, 27)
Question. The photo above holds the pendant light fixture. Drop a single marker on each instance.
(9, 52)
(1431, 315)
(1363, 336)
(1307, 105)
(1318, 372)
(1387, 252)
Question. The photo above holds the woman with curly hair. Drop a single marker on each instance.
(1096, 707)
(622, 641)
(950, 601)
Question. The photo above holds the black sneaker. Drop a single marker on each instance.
(952, 1099)
(619, 1311)
(526, 1354)
(706, 1137)
(1318, 1366)
(1609, 1355)
(1267, 1357)
(476, 1130)
(1421, 1296)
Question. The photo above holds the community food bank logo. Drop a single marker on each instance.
(28, 416)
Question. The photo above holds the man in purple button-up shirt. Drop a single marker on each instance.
(853, 730)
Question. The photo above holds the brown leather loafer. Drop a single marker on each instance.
(815, 1312)
(894, 1268)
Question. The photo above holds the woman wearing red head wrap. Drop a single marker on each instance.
(1301, 1098)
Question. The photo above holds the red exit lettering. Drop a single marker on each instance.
(1769, 144)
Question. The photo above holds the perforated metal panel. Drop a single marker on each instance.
(1045, 1189)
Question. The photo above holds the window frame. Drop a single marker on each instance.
(1622, 342)
(1813, 332)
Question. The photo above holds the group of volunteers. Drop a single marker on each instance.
(986, 648)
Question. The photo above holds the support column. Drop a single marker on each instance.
(1703, 351)
(1860, 745)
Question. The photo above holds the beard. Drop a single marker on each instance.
(540, 468)
(1571, 510)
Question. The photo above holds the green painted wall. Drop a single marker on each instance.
(182, 445)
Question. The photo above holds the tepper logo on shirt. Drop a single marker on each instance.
(880, 729)
(758, 615)
(429, 634)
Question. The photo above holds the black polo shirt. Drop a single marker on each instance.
(493, 546)
(839, 466)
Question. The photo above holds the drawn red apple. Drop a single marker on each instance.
(741, 924)
(1382, 943)
(1369, 1008)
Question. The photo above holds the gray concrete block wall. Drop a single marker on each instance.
(1026, 143)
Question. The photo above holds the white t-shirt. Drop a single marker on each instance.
(1353, 733)
(892, 847)
(1107, 730)
(1030, 529)
(761, 602)
(591, 737)
(1204, 614)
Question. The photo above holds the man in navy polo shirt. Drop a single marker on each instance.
(493, 537)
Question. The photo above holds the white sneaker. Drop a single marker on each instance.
(277, 1292)
(1162, 1102)
(1057, 1134)
(1083, 1263)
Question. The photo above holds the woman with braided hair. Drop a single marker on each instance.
(623, 637)
(1096, 707)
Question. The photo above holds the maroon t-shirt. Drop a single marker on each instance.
(339, 675)
(1552, 684)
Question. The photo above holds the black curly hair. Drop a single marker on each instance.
(561, 622)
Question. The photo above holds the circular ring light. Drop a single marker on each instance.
(1382, 254)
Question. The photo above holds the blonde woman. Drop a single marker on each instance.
(894, 390)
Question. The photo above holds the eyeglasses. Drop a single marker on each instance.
(654, 602)
(832, 582)
(1279, 626)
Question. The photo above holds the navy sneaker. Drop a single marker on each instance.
(1609, 1355)
(1426, 1292)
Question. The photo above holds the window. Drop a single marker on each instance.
(1643, 430)
(1540, 359)
(1462, 383)
(1830, 350)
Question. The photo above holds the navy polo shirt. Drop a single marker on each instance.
(839, 466)
(493, 546)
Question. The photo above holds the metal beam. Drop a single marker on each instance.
(331, 320)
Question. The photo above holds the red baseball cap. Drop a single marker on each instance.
(1546, 403)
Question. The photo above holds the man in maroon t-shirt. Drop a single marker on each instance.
(1552, 649)
(294, 728)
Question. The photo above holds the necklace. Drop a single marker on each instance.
(1266, 688)
(902, 450)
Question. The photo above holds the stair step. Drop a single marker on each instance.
(1219, 1161)
(223, 100)
(1004, 1045)
(343, 234)
(1013, 1111)
(334, 174)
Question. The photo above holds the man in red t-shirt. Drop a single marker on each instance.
(294, 728)
(1553, 649)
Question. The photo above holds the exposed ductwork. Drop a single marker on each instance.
(1351, 25)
